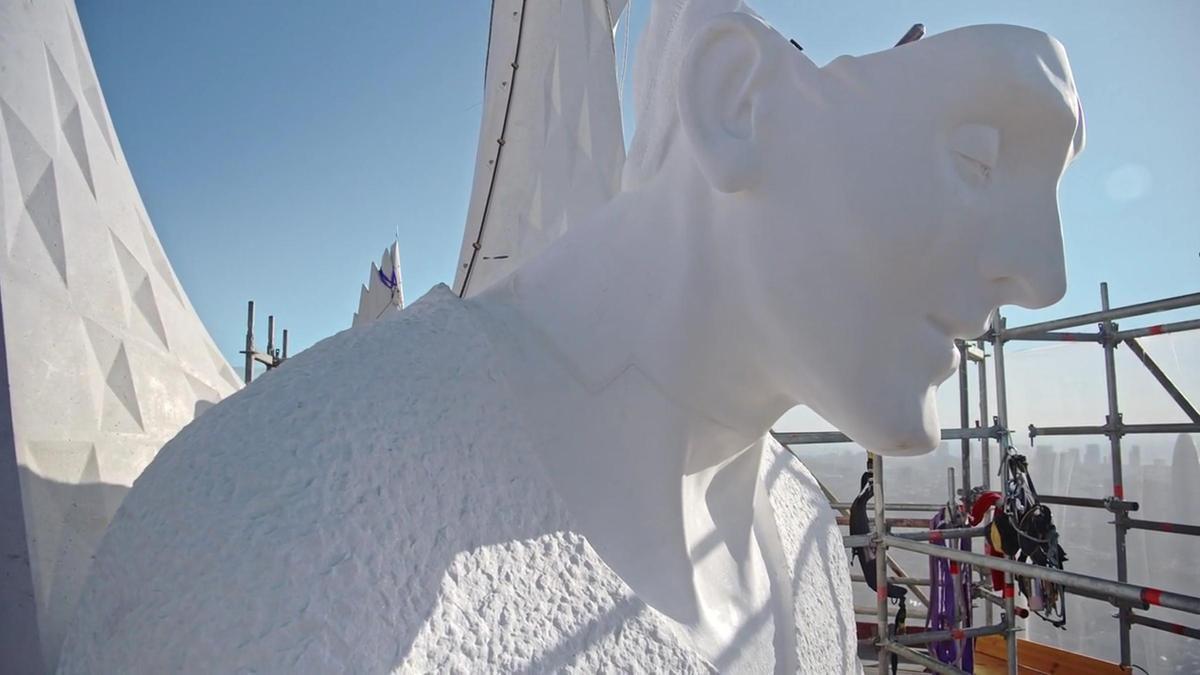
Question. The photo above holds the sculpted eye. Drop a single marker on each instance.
(976, 171)
(975, 148)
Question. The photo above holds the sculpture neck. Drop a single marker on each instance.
(669, 500)
(623, 352)
(645, 284)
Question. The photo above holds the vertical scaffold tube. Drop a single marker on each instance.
(985, 450)
(881, 579)
(249, 372)
(964, 420)
(1010, 600)
(984, 415)
(1108, 330)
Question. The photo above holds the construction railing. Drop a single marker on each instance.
(1125, 596)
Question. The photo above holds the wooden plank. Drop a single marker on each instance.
(1037, 659)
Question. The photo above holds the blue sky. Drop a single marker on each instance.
(279, 144)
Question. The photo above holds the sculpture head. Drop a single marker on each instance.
(870, 211)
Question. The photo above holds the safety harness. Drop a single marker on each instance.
(860, 523)
(1023, 528)
(1026, 531)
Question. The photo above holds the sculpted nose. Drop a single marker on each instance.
(1025, 264)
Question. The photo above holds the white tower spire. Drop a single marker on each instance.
(102, 356)
(384, 290)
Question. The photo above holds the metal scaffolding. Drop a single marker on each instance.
(272, 357)
(1126, 597)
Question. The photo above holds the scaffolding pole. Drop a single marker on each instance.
(881, 580)
(964, 419)
(1107, 330)
(1115, 592)
(1010, 600)
(249, 351)
(985, 451)
(1165, 626)
(272, 358)
(1140, 309)
(830, 437)
(1165, 382)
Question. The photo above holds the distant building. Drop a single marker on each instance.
(384, 290)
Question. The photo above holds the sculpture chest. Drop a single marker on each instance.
(390, 518)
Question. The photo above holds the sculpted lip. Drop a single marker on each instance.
(947, 367)
(963, 329)
(941, 326)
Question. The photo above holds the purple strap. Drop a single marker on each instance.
(942, 609)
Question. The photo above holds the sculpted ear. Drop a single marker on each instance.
(721, 81)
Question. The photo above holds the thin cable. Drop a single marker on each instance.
(623, 71)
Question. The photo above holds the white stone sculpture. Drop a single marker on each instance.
(102, 357)
(572, 473)
(384, 290)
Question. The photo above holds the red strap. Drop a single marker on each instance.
(982, 505)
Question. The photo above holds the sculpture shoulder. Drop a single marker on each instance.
(812, 546)
(796, 496)
(366, 507)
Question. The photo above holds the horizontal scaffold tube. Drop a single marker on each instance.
(1108, 503)
(1063, 337)
(952, 634)
(874, 611)
(1102, 430)
(922, 523)
(892, 506)
(931, 663)
(856, 540)
(903, 581)
(1115, 591)
(1160, 526)
(1189, 300)
(1158, 329)
(944, 534)
(1169, 627)
(999, 601)
(822, 437)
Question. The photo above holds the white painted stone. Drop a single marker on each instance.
(572, 471)
(560, 119)
(367, 538)
(105, 357)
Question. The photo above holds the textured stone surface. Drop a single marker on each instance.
(396, 524)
